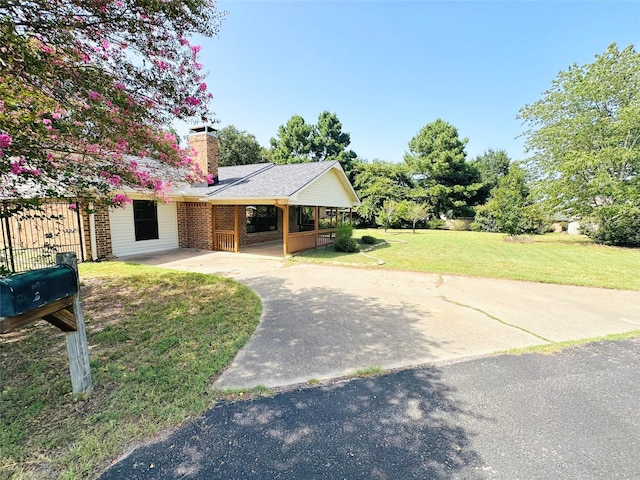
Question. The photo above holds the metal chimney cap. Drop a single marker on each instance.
(203, 129)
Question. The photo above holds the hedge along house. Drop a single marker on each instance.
(299, 204)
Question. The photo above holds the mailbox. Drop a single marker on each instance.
(27, 291)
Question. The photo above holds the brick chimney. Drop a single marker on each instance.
(204, 140)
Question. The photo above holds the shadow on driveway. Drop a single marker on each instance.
(321, 332)
(404, 425)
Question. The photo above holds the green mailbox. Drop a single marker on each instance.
(27, 291)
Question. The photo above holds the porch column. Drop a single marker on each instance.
(316, 215)
(214, 223)
(236, 232)
(285, 230)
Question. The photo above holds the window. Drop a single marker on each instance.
(328, 218)
(145, 219)
(262, 218)
(306, 219)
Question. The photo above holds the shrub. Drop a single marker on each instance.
(344, 241)
(535, 221)
(344, 230)
(436, 224)
(485, 221)
(368, 239)
(614, 226)
(347, 245)
(458, 225)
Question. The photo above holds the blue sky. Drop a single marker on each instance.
(387, 68)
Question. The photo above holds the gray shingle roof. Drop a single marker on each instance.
(273, 181)
(262, 180)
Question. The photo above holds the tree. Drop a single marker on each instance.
(378, 181)
(584, 134)
(301, 142)
(511, 208)
(237, 147)
(414, 212)
(388, 214)
(330, 142)
(294, 143)
(84, 86)
(437, 158)
(492, 165)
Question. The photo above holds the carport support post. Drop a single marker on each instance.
(285, 228)
(77, 341)
(316, 222)
(236, 229)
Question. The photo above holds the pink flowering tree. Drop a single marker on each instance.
(89, 88)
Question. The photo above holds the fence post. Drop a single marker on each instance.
(7, 235)
(77, 341)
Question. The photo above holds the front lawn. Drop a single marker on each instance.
(157, 338)
(551, 258)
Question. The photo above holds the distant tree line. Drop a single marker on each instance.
(584, 136)
(435, 182)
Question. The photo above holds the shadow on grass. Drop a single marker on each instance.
(158, 258)
(402, 425)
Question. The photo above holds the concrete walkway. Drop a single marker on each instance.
(323, 321)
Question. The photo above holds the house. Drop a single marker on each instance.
(562, 223)
(298, 204)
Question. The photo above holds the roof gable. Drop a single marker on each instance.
(279, 182)
(330, 189)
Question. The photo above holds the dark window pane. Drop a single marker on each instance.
(262, 218)
(306, 222)
(145, 219)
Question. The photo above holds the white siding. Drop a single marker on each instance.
(327, 190)
(123, 239)
(573, 228)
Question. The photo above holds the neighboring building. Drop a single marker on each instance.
(562, 223)
(299, 204)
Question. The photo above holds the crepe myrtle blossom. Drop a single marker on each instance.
(5, 142)
(128, 72)
(120, 200)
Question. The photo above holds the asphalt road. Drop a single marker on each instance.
(572, 415)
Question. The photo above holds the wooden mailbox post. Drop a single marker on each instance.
(67, 315)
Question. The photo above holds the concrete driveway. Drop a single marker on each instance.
(324, 321)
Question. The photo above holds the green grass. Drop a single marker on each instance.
(367, 372)
(157, 338)
(550, 349)
(233, 394)
(551, 258)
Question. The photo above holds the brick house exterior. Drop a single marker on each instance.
(215, 215)
(195, 225)
(298, 204)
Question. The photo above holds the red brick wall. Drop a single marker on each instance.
(183, 237)
(103, 232)
(206, 146)
(195, 225)
(225, 216)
